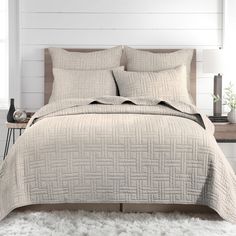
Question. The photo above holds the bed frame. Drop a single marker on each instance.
(48, 78)
(124, 207)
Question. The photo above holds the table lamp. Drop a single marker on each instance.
(213, 63)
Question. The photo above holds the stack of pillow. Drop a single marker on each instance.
(164, 76)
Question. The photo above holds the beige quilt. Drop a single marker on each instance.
(118, 150)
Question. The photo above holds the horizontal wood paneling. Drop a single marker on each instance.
(36, 52)
(131, 6)
(121, 21)
(32, 101)
(88, 24)
(200, 72)
(204, 101)
(33, 84)
(105, 23)
(3, 113)
(205, 85)
(122, 37)
(32, 68)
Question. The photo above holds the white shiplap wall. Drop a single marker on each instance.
(105, 23)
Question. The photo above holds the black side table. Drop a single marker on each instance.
(11, 132)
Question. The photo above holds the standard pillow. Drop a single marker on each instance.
(138, 60)
(83, 84)
(167, 85)
(98, 60)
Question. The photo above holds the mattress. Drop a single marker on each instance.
(118, 150)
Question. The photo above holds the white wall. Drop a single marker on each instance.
(105, 23)
(230, 40)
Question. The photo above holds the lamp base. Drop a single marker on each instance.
(217, 108)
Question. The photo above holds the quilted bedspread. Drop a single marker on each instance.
(118, 150)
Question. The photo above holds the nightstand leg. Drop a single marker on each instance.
(6, 144)
(20, 132)
(8, 139)
(13, 140)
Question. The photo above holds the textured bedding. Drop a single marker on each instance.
(118, 150)
(165, 85)
(138, 60)
(97, 60)
(83, 84)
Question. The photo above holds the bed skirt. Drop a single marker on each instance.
(126, 208)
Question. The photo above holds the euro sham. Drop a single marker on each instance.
(138, 60)
(97, 60)
(83, 84)
(170, 85)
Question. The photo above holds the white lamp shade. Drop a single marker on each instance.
(213, 61)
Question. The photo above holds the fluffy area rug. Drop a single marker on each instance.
(62, 223)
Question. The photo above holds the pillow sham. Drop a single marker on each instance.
(167, 85)
(138, 60)
(83, 84)
(98, 60)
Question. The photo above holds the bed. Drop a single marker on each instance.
(118, 153)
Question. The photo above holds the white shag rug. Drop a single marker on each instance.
(81, 223)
